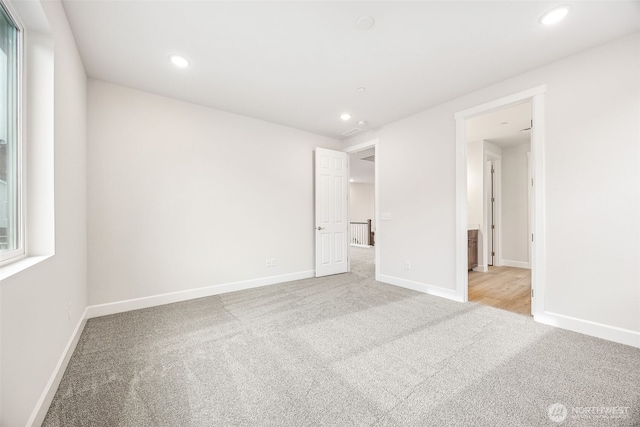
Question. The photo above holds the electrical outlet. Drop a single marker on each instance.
(268, 262)
(273, 262)
(407, 265)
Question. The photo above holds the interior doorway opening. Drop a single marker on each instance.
(528, 253)
(363, 205)
(498, 147)
(362, 198)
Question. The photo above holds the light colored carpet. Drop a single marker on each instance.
(341, 351)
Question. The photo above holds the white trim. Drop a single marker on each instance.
(481, 268)
(18, 265)
(587, 327)
(536, 95)
(451, 294)
(497, 219)
(537, 210)
(171, 297)
(360, 246)
(376, 207)
(362, 146)
(41, 408)
(516, 264)
(529, 205)
(37, 143)
(500, 103)
(8, 257)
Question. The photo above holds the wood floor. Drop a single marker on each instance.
(508, 288)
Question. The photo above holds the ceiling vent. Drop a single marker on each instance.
(370, 158)
(351, 132)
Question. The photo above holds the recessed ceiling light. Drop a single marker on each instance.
(365, 23)
(179, 61)
(554, 15)
(362, 123)
(362, 89)
(504, 123)
(345, 116)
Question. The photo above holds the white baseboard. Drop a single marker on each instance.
(587, 327)
(168, 298)
(40, 411)
(517, 264)
(481, 268)
(420, 287)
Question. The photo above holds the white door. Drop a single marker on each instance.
(332, 212)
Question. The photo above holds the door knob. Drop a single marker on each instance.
(319, 228)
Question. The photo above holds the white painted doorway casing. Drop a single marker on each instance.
(495, 161)
(529, 207)
(332, 212)
(537, 253)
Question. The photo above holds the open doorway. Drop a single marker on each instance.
(498, 194)
(536, 96)
(362, 208)
(362, 198)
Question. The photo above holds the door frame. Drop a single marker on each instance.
(497, 214)
(373, 143)
(538, 265)
(529, 203)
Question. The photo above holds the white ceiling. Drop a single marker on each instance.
(503, 127)
(299, 63)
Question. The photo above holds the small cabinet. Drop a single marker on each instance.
(472, 256)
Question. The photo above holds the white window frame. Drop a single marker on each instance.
(21, 250)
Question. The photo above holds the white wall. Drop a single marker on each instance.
(475, 182)
(416, 188)
(475, 197)
(592, 191)
(183, 197)
(361, 202)
(491, 153)
(515, 206)
(34, 303)
(478, 194)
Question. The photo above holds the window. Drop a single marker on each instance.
(11, 221)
